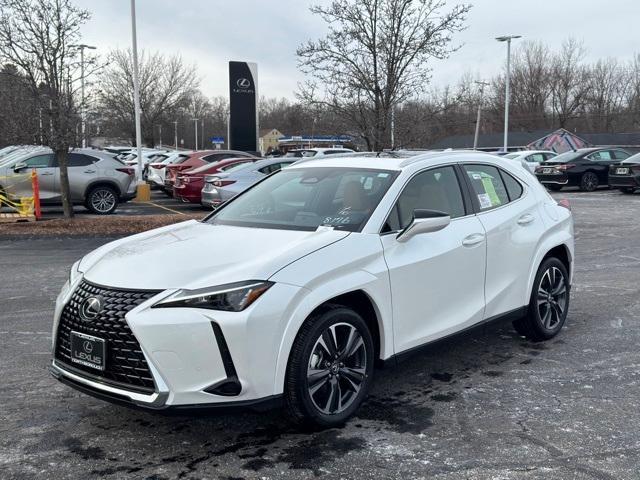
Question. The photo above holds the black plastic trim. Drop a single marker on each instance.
(514, 314)
(230, 386)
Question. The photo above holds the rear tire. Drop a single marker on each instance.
(589, 182)
(102, 200)
(549, 302)
(554, 188)
(330, 367)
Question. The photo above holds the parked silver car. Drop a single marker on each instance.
(223, 186)
(96, 179)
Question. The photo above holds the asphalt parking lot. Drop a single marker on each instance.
(485, 405)
(159, 204)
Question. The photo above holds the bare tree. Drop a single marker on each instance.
(375, 57)
(569, 81)
(38, 37)
(166, 85)
(609, 83)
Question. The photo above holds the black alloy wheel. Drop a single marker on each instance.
(549, 302)
(330, 368)
(589, 182)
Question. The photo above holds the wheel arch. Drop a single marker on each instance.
(563, 250)
(102, 183)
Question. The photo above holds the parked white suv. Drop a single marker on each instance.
(292, 290)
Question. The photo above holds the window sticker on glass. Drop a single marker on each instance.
(490, 189)
(485, 201)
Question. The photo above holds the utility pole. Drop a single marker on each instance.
(160, 128)
(475, 138)
(507, 38)
(202, 133)
(175, 133)
(195, 137)
(83, 111)
(136, 90)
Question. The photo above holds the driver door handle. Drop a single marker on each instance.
(89, 171)
(46, 173)
(526, 219)
(473, 239)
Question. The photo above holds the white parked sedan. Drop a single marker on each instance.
(294, 289)
(530, 159)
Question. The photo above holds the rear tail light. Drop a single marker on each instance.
(565, 166)
(222, 183)
(565, 203)
(128, 171)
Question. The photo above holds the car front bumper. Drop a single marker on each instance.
(194, 354)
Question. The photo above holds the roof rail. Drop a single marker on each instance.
(426, 156)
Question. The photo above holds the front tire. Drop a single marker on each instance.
(102, 200)
(549, 302)
(330, 367)
(554, 188)
(589, 182)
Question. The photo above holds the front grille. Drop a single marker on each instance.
(126, 366)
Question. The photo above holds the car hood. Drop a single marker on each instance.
(197, 255)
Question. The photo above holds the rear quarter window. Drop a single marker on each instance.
(488, 186)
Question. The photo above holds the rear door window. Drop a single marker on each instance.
(488, 187)
(79, 160)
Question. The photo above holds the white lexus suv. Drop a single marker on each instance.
(292, 291)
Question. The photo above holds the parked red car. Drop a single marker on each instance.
(188, 185)
(198, 159)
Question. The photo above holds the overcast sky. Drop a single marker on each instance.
(209, 33)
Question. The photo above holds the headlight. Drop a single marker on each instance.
(233, 297)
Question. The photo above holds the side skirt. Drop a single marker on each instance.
(503, 317)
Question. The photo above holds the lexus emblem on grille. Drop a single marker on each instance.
(91, 308)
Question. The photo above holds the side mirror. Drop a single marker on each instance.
(424, 221)
(19, 166)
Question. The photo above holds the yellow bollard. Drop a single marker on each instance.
(143, 193)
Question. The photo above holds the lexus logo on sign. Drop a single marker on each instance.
(91, 308)
(243, 83)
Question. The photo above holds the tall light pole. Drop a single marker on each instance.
(195, 122)
(83, 112)
(136, 90)
(175, 133)
(475, 137)
(160, 128)
(507, 38)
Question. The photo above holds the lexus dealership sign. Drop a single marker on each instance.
(243, 106)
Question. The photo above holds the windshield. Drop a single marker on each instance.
(306, 198)
(567, 156)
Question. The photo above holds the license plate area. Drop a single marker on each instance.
(622, 171)
(88, 351)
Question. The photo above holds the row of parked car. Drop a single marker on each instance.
(102, 179)
(212, 177)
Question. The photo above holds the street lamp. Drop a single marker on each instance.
(136, 91)
(475, 137)
(83, 113)
(507, 38)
